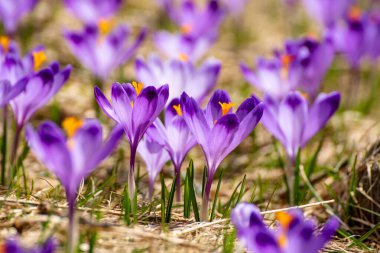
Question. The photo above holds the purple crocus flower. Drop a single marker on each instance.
(373, 34)
(219, 131)
(11, 12)
(9, 92)
(294, 122)
(101, 49)
(180, 75)
(92, 11)
(301, 65)
(12, 245)
(175, 136)
(182, 47)
(327, 12)
(135, 108)
(74, 157)
(234, 7)
(293, 234)
(155, 157)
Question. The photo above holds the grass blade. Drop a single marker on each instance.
(192, 192)
(296, 183)
(163, 199)
(216, 196)
(170, 201)
(204, 179)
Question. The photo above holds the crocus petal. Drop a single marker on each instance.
(245, 215)
(214, 109)
(104, 104)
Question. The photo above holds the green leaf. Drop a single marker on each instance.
(163, 199)
(170, 201)
(216, 196)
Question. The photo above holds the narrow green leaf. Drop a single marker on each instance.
(242, 188)
(192, 192)
(216, 196)
(163, 199)
(170, 201)
(186, 195)
(296, 183)
(204, 179)
(126, 206)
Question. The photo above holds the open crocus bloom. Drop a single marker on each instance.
(135, 108)
(373, 34)
(182, 76)
(327, 12)
(9, 92)
(294, 122)
(12, 245)
(11, 12)
(294, 234)
(102, 49)
(155, 156)
(219, 131)
(301, 65)
(182, 47)
(92, 11)
(175, 137)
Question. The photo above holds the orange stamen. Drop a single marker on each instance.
(226, 107)
(282, 240)
(285, 219)
(105, 26)
(71, 125)
(178, 109)
(354, 13)
(183, 57)
(186, 29)
(5, 42)
(39, 57)
(138, 87)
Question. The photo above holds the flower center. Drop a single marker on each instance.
(286, 60)
(71, 125)
(138, 87)
(105, 26)
(285, 219)
(226, 107)
(5, 42)
(39, 57)
(355, 13)
(282, 240)
(183, 57)
(186, 28)
(178, 109)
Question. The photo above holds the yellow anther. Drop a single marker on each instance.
(305, 95)
(132, 104)
(286, 60)
(226, 107)
(138, 87)
(183, 57)
(5, 42)
(284, 218)
(178, 109)
(71, 125)
(354, 13)
(39, 57)
(105, 26)
(282, 240)
(186, 29)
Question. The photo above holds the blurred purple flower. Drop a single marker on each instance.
(182, 47)
(155, 157)
(234, 7)
(101, 49)
(293, 234)
(301, 65)
(74, 157)
(219, 131)
(135, 108)
(92, 11)
(11, 12)
(327, 12)
(175, 137)
(9, 92)
(182, 76)
(373, 34)
(12, 245)
(294, 122)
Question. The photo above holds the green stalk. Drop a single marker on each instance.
(4, 145)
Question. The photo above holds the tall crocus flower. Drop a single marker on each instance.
(175, 136)
(12, 245)
(302, 64)
(155, 157)
(293, 121)
(373, 34)
(218, 131)
(102, 49)
(11, 12)
(293, 233)
(327, 12)
(182, 47)
(72, 156)
(135, 108)
(182, 76)
(93, 11)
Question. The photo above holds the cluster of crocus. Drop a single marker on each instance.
(12, 245)
(72, 155)
(11, 12)
(218, 130)
(294, 233)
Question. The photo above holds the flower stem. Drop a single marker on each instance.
(177, 171)
(4, 145)
(206, 197)
(71, 232)
(16, 142)
(131, 175)
(150, 191)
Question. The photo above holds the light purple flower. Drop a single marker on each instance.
(373, 34)
(301, 65)
(219, 131)
(12, 11)
(12, 245)
(182, 47)
(92, 11)
(9, 92)
(102, 50)
(294, 122)
(293, 233)
(74, 157)
(155, 157)
(175, 137)
(327, 12)
(135, 108)
(182, 76)
(234, 7)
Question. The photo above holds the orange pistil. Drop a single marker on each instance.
(71, 125)
(132, 104)
(39, 57)
(354, 13)
(138, 87)
(5, 42)
(183, 57)
(178, 109)
(282, 240)
(186, 29)
(226, 107)
(285, 219)
(106, 25)
(286, 60)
